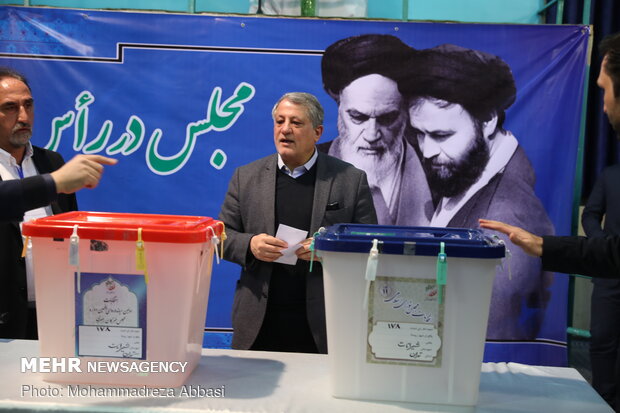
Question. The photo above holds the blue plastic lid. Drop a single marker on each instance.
(425, 241)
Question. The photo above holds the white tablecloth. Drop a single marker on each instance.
(286, 382)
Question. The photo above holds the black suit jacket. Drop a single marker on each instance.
(604, 201)
(599, 254)
(596, 257)
(13, 291)
(20, 195)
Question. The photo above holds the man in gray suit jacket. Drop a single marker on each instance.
(280, 307)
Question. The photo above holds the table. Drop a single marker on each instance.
(256, 381)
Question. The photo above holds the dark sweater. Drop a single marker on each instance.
(285, 326)
(294, 198)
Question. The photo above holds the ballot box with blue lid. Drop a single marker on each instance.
(407, 310)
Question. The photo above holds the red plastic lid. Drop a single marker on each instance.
(124, 227)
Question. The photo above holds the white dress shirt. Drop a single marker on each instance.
(300, 170)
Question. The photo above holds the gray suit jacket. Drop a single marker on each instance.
(249, 209)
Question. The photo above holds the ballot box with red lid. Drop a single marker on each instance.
(121, 298)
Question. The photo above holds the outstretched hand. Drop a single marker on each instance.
(530, 243)
(83, 171)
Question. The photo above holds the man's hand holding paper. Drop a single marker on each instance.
(293, 237)
(267, 248)
(304, 253)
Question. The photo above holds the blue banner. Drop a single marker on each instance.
(182, 100)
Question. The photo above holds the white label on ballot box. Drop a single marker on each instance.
(110, 315)
(107, 341)
(405, 322)
(404, 341)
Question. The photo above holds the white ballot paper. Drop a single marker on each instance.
(293, 238)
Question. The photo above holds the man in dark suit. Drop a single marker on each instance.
(280, 307)
(599, 254)
(604, 205)
(19, 159)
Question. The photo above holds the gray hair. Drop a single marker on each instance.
(308, 101)
(12, 73)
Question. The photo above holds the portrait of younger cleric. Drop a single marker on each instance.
(457, 99)
(361, 73)
(427, 128)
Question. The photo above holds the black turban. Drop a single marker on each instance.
(480, 82)
(357, 56)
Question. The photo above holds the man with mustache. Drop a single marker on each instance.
(34, 183)
(457, 99)
(362, 73)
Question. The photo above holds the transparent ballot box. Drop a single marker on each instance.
(407, 310)
(122, 296)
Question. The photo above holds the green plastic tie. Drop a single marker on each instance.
(442, 271)
(312, 248)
